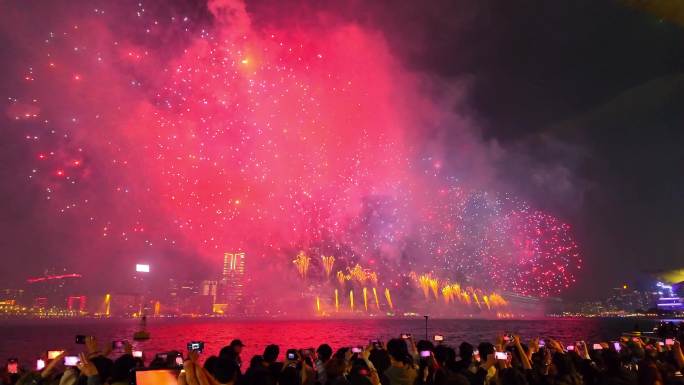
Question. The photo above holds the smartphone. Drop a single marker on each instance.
(291, 354)
(196, 346)
(570, 348)
(12, 366)
(356, 350)
(70, 360)
(80, 339)
(597, 347)
(118, 345)
(669, 341)
(425, 353)
(500, 355)
(542, 343)
(179, 360)
(137, 353)
(40, 364)
(406, 336)
(617, 346)
(52, 354)
(438, 338)
(156, 377)
(661, 343)
(476, 355)
(374, 343)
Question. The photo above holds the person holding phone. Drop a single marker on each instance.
(323, 356)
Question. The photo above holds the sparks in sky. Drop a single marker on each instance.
(265, 140)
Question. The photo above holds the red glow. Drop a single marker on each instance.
(51, 277)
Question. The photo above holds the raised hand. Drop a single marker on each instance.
(365, 353)
(555, 345)
(92, 347)
(87, 368)
(47, 370)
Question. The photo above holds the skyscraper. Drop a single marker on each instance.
(233, 281)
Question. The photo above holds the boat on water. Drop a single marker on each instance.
(142, 334)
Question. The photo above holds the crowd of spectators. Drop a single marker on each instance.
(507, 360)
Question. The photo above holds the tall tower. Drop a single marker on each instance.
(233, 281)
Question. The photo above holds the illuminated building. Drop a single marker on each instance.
(210, 288)
(15, 295)
(669, 300)
(54, 290)
(233, 282)
(627, 299)
(76, 303)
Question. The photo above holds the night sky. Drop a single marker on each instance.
(575, 107)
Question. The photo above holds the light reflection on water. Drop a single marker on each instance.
(28, 339)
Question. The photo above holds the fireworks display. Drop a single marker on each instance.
(271, 141)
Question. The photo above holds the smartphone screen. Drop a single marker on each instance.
(669, 341)
(617, 346)
(425, 353)
(52, 354)
(40, 364)
(570, 348)
(597, 347)
(500, 356)
(439, 338)
(137, 353)
(291, 356)
(406, 336)
(156, 377)
(12, 366)
(70, 360)
(356, 350)
(197, 346)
